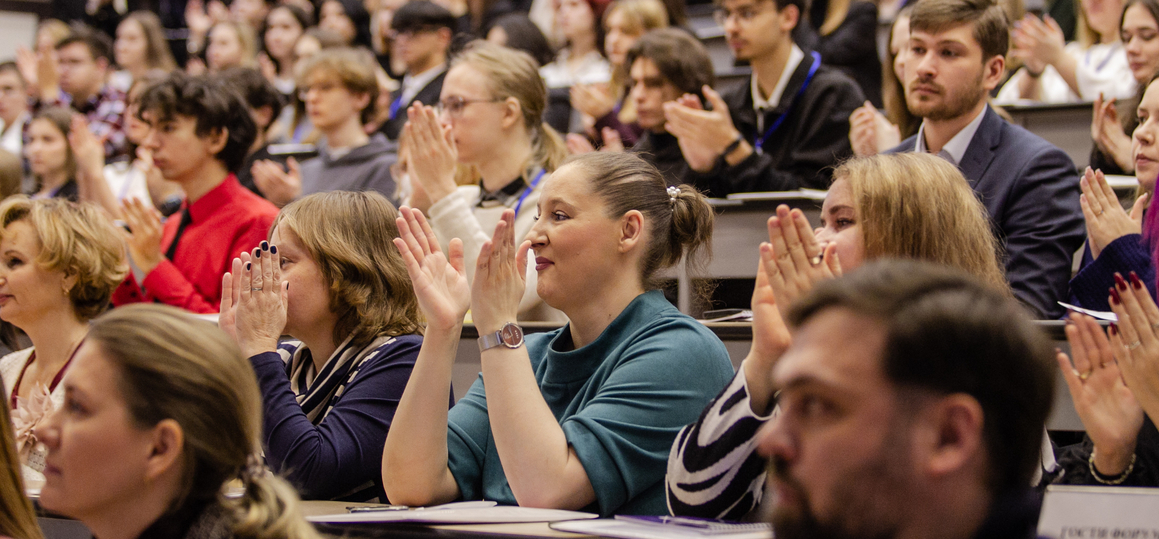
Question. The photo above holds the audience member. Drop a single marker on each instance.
(50, 32)
(231, 44)
(347, 18)
(139, 48)
(912, 402)
(17, 517)
(124, 177)
(421, 33)
(1112, 149)
(491, 116)
(199, 133)
(265, 104)
(284, 25)
(867, 215)
(92, 183)
(870, 131)
(516, 31)
(61, 264)
(200, 17)
(1082, 70)
(14, 114)
(251, 13)
(785, 129)
(1026, 183)
(78, 80)
(665, 64)
(294, 124)
(330, 394)
(340, 89)
(1119, 242)
(1120, 445)
(594, 405)
(581, 60)
(50, 158)
(604, 105)
(162, 413)
(840, 30)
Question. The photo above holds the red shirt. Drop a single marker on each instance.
(227, 220)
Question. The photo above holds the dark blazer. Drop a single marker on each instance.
(429, 95)
(803, 150)
(1030, 189)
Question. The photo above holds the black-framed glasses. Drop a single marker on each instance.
(454, 105)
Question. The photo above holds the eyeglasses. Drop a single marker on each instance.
(454, 105)
(744, 14)
(409, 32)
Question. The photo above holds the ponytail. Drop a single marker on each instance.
(679, 219)
(548, 148)
(269, 508)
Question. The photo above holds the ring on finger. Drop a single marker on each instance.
(1134, 345)
(257, 289)
(1084, 375)
(816, 261)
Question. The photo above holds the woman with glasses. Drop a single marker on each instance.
(490, 115)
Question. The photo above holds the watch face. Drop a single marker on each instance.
(512, 335)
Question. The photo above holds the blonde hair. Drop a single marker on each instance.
(353, 68)
(834, 15)
(246, 38)
(918, 206)
(157, 53)
(640, 16)
(512, 73)
(77, 239)
(348, 235)
(17, 517)
(170, 365)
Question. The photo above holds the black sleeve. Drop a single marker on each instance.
(1074, 463)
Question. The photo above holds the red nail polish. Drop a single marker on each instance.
(1114, 329)
(1119, 282)
(1135, 282)
(1115, 296)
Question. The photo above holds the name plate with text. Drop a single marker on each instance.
(1077, 512)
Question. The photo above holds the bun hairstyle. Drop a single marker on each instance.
(512, 73)
(679, 218)
(170, 365)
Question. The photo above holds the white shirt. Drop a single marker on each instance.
(412, 85)
(759, 102)
(1101, 68)
(955, 149)
(12, 136)
(591, 69)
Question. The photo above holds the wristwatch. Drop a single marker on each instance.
(510, 336)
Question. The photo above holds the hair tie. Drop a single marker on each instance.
(254, 468)
(672, 194)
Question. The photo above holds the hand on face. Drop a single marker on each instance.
(1106, 219)
(500, 277)
(433, 156)
(793, 259)
(254, 300)
(1106, 406)
(440, 284)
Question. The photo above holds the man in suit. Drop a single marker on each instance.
(421, 33)
(1029, 186)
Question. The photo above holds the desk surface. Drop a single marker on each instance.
(398, 530)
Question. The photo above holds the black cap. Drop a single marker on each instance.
(421, 14)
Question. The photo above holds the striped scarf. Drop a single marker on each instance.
(316, 390)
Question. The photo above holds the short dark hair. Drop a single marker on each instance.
(98, 44)
(680, 58)
(801, 5)
(421, 15)
(255, 88)
(947, 332)
(991, 29)
(11, 66)
(211, 103)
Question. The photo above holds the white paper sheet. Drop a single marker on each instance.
(501, 514)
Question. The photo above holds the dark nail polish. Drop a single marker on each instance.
(1114, 329)
(1135, 282)
(257, 254)
(265, 246)
(1115, 296)
(1119, 282)
(274, 249)
(247, 266)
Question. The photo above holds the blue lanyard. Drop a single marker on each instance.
(528, 190)
(395, 106)
(1106, 59)
(760, 143)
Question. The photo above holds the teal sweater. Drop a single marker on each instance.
(620, 400)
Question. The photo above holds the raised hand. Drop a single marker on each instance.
(1108, 409)
(770, 337)
(578, 144)
(279, 186)
(432, 152)
(1135, 343)
(144, 235)
(595, 100)
(612, 140)
(87, 148)
(796, 263)
(257, 300)
(1106, 219)
(440, 284)
(500, 277)
(863, 130)
(703, 135)
(1108, 134)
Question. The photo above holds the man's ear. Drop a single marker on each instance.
(952, 436)
(445, 36)
(512, 113)
(217, 140)
(168, 446)
(631, 230)
(263, 116)
(789, 18)
(992, 72)
(361, 101)
(102, 63)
